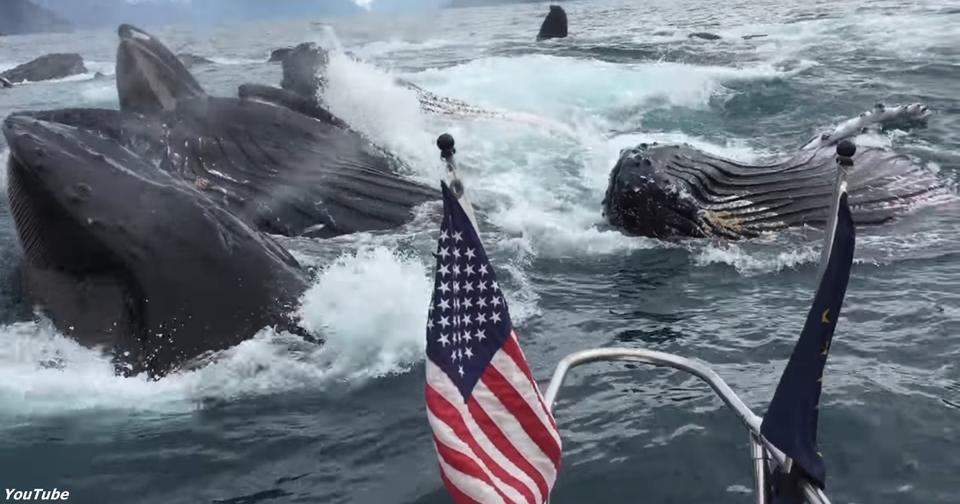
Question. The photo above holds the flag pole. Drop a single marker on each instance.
(845, 151)
(475, 367)
(446, 144)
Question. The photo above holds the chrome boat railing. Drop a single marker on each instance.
(761, 450)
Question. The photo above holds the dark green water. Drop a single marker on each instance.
(276, 422)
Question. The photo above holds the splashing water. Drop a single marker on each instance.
(361, 340)
(369, 307)
(370, 101)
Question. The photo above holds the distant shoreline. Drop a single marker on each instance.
(457, 4)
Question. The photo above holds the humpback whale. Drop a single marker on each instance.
(282, 172)
(667, 191)
(147, 231)
(554, 25)
(285, 172)
(704, 36)
(297, 102)
(134, 260)
(192, 60)
(304, 80)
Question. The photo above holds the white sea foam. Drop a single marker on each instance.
(370, 101)
(557, 85)
(369, 307)
(4, 152)
(756, 261)
(99, 93)
(386, 47)
(526, 179)
(220, 60)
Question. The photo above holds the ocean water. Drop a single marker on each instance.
(277, 421)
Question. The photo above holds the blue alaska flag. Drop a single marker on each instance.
(791, 420)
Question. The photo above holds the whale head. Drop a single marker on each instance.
(305, 68)
(123, 256)
(150, 78)
(643, 200)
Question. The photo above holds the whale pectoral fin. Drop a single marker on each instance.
(881, 117)
(287, 173)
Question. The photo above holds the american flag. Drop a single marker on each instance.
(495, 437)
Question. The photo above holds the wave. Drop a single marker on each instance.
(561, 85)
(221, 60)
(533, 185)
(390, 47)
(773, 259)
(368, 306)
(99, 93)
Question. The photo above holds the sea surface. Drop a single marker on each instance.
(276, 421)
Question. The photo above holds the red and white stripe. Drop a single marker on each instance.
(502, 445)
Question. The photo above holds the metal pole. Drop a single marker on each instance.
(760, 468)
(845, 152)
(446, 145)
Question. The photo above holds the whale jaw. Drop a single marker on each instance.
(125, 257)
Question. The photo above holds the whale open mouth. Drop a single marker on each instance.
(124, 256)
(150, 78)
(68, 268)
